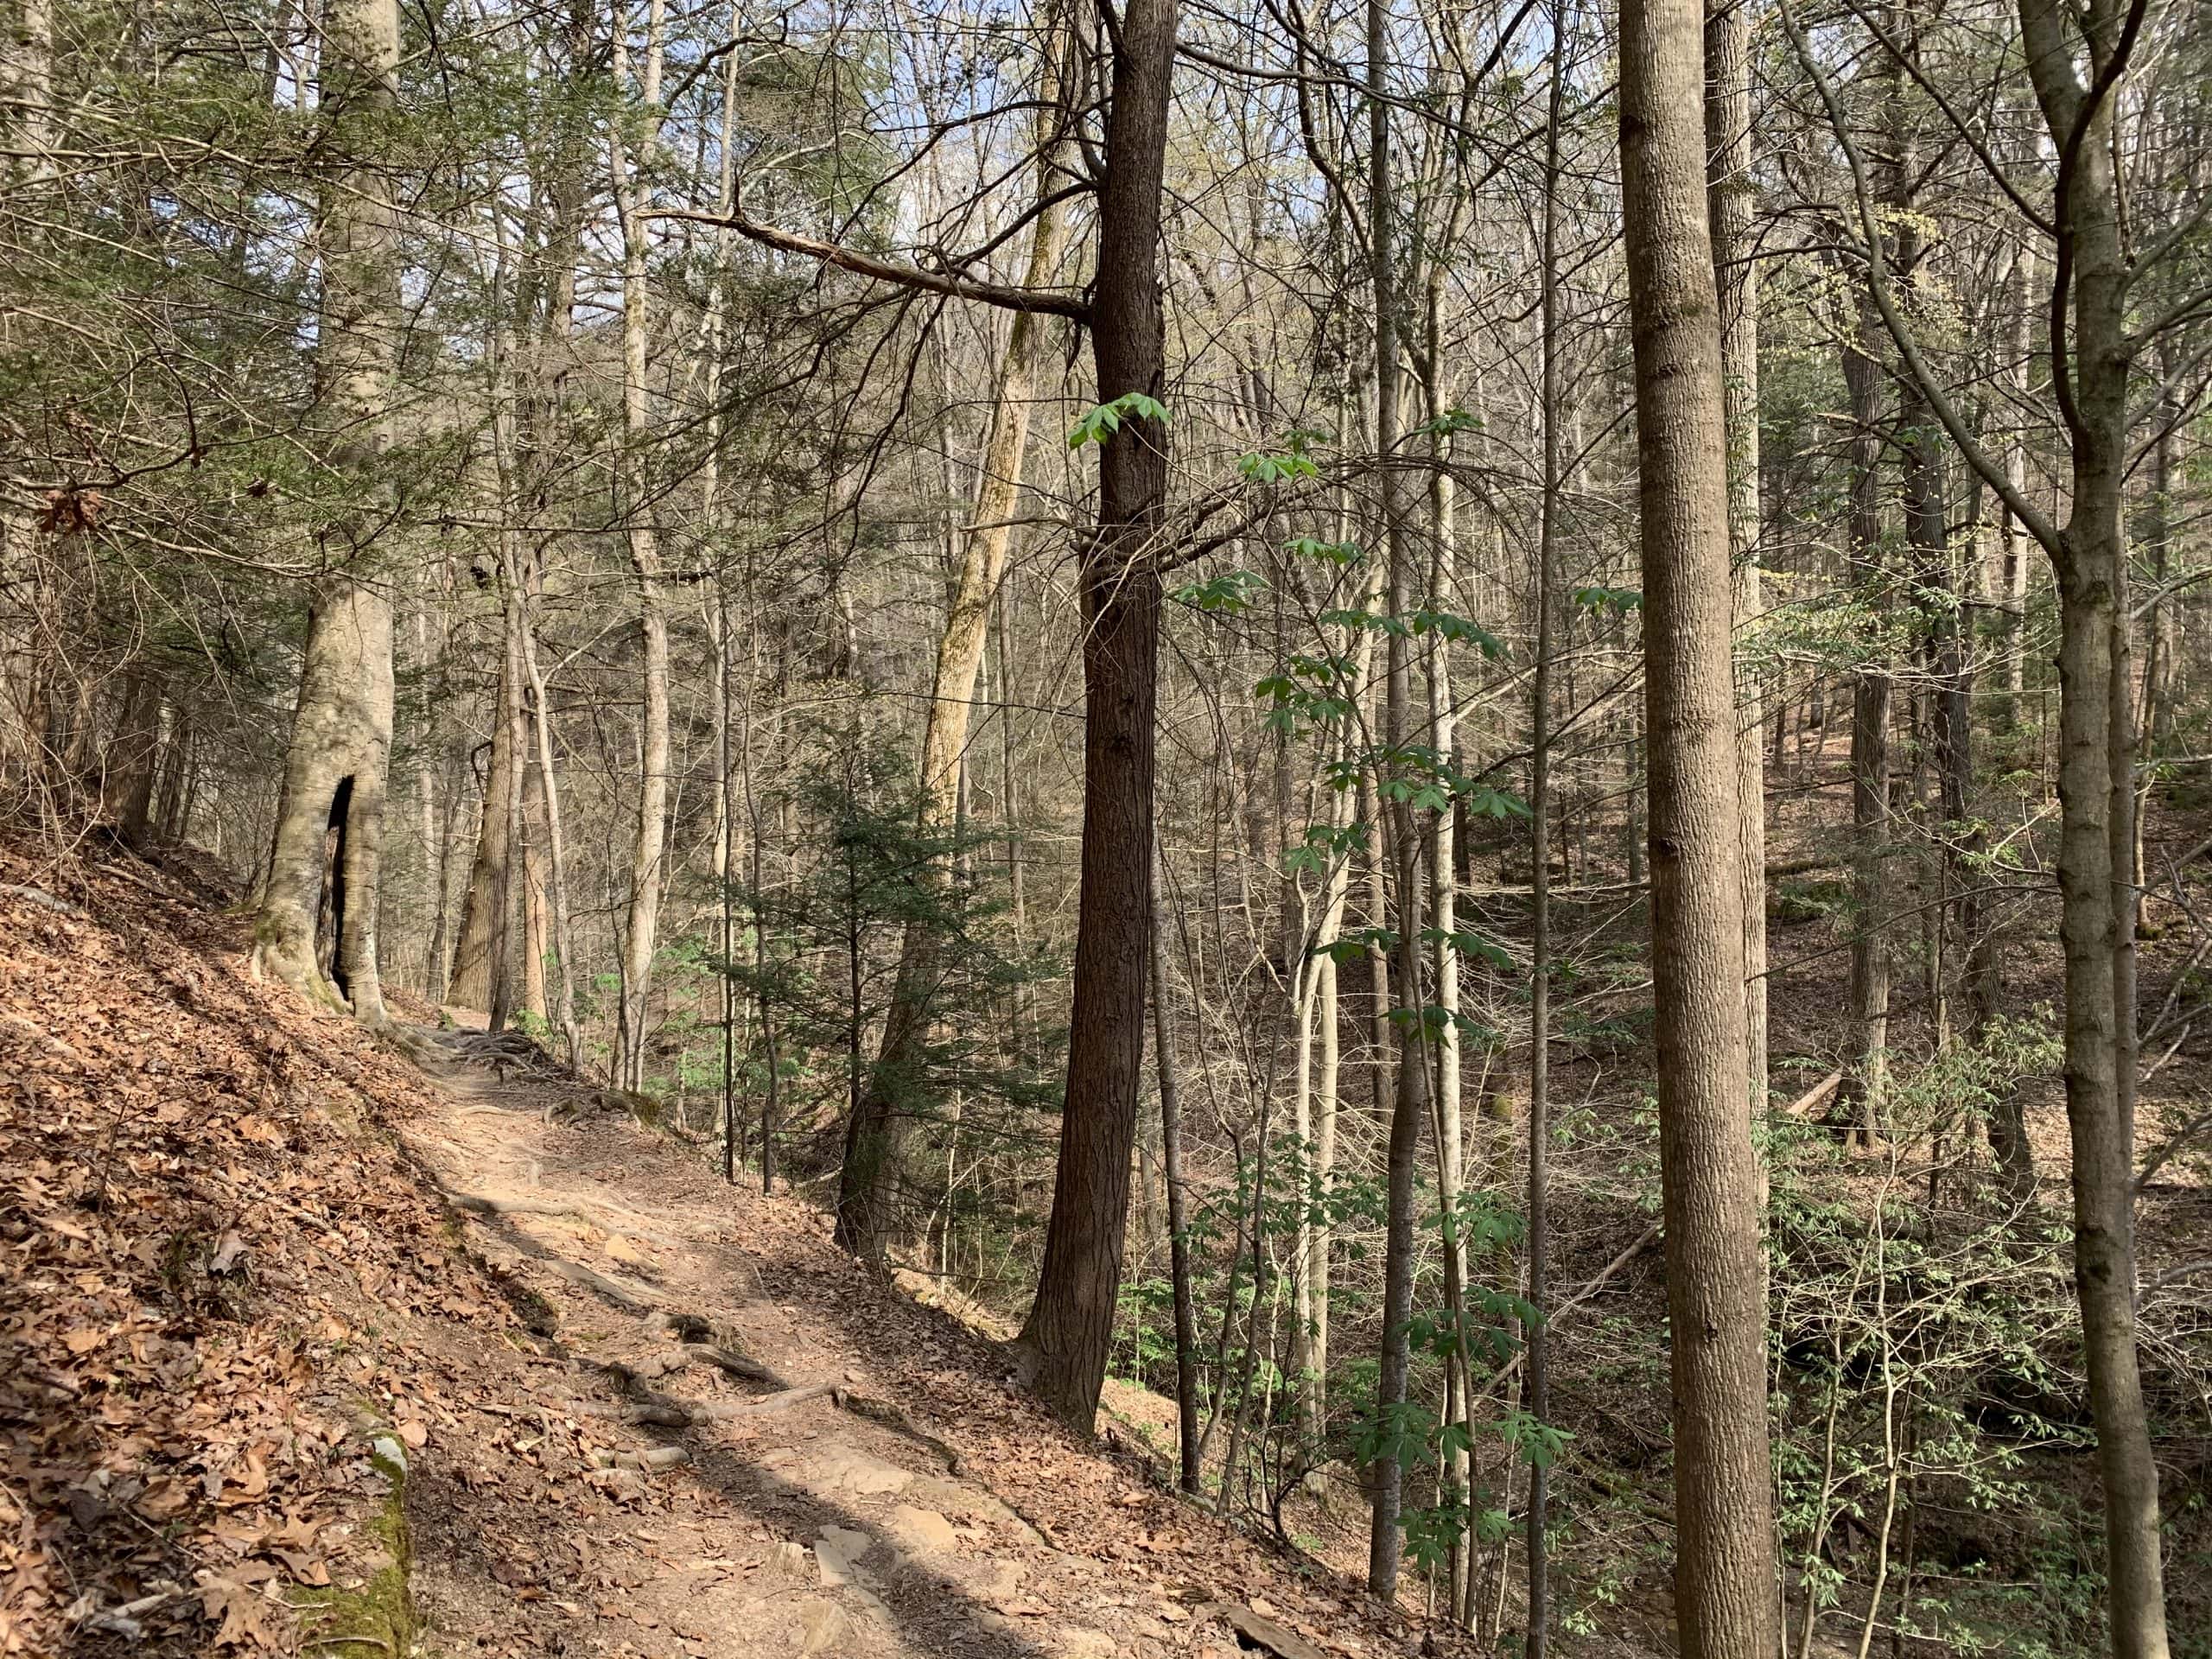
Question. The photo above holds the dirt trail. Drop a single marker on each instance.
(800, 1461)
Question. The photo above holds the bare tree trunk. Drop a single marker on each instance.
(868, 1216)
(1870, 761)
(641, 933)
(1725, 1584)
(2096, 790)
(1062, 1349)
(1537, 1399)
(1410, 1103)
(537, 934)
(2091, 365)
(1444, 955)
(557, 854)
(128, 767)
(327, 857)
(1179, 1244)
(1316, 1124)
(480, 969)
(2020, 283)
(1730, 193)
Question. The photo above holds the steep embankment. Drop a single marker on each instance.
(309, 1341)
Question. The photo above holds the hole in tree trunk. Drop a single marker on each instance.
(330, 914)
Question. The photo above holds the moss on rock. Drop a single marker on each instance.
(379, 1613)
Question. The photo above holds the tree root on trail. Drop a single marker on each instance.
(652, 1408)
(608, 1217)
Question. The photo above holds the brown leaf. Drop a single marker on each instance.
(247, 1620)
(227, 1251)
(308, 1569)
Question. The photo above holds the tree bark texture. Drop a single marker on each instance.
(2096, 790)
(640, 935)
(326, 857)
(1409, 1099)
(479, 961)
(1870, 756)
(1730, 197)
(1725, 1581)
(1062, 1349)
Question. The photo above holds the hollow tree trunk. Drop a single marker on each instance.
(1724, 1582)
(326, 857)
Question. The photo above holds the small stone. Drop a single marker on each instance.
(922, 1532)
(822, 1625)
(836, 1555)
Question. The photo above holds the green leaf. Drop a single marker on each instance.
(1619, 600)
(1231, 591)
(1101, 422)
(1337, 553)
(1261, 467)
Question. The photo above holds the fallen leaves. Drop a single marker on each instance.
(191, 1244)
(246, 1619)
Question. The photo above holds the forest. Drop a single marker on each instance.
(1453, 747)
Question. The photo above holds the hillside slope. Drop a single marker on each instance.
(315, 1342)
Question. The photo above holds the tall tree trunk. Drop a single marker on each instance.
(1179, 1243)
(129, 765)
(2097, 791)
(640, 935)
(326, 860)
(1537, 1399)
(868, 1214)
(1410, 1108)
(479, 965)
(1725, 1580)
(1730, 193)
(1443, 920)
(1870, 756)
(1315, 1121)
(2018, 545)
(1062, 1345)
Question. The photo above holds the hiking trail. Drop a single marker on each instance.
(780, 1489)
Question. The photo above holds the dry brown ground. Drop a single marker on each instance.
(244, 1241)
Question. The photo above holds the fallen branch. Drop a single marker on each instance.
(1816, 1096)
(43, 899)
(894, 1417)
(1552, 1320)
(670, 1411)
